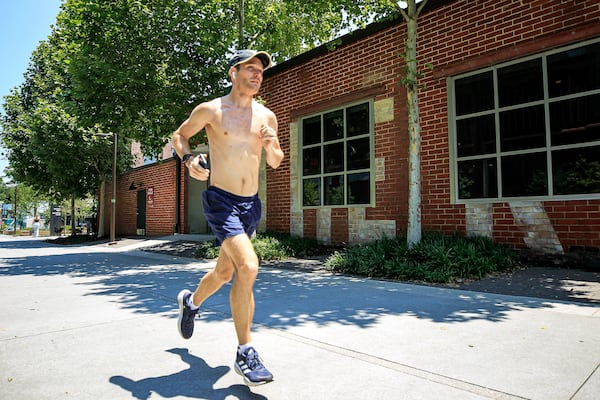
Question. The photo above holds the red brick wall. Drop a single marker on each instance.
(341, 76)
(577, 223)
(467, 35)
(505, 230)
(161, 215)
(339, 225)
(310, 224)
(455, 37)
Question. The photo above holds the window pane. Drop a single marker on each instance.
(334, 144)
(523, 128)
(576, 171)
(357, 120)
(477, 179)
(359, 154)
(334, 157)
(575, 120)
(311, 130)
(359, 188)
(574, 71)
(524, 175)
(311, 192)
(334, 190)
(476, 135)
(520, 83)
(333, 124)
(311, 161)
(474, 93)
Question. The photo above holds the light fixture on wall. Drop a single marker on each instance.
(134, 187)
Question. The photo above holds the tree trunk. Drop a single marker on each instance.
(414, 132)
(413, 232)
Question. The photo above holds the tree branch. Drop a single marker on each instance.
(421, 7)
(402, 12)
(405, 15)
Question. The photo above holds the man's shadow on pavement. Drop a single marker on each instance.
(194, 382)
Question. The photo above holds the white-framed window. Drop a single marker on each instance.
(529, 128)
(336, 157)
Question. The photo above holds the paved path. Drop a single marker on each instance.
(99, 322)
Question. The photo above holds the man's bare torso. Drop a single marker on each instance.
(235, 145)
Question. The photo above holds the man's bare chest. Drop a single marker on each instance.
(238, 126)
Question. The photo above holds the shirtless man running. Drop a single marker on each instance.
(238, 129)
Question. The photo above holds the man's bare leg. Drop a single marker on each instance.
(241, 252)
(209, 284)
(247, 363)
(214, 279)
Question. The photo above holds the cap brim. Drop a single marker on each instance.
(263, 56)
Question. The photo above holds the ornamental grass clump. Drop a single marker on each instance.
(437, 258)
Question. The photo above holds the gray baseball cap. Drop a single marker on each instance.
(241, 56)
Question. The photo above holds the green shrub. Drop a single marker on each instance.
(270, 246)
(437, 258)
(207, 250)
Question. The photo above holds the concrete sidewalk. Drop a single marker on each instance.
(99, 322)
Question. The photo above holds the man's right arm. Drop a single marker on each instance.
(199, 118)
(190, 127)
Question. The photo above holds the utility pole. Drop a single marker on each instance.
(113, 200)
(241, 14)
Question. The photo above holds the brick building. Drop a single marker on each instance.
(510, 117)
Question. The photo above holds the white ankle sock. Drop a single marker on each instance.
(243, 347)
(191, 304)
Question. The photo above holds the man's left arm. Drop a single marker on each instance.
(270, 142)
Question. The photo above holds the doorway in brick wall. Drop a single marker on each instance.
(196, 219)
(140, 224)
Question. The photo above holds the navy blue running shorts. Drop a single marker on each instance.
(229, 214)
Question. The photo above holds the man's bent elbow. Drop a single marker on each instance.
(176, 137)
(275, 160)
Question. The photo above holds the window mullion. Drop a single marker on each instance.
(548, 128)
(321, 175)
(345, 163)
(497, 127)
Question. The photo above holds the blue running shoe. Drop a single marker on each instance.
(250, 366)
(185, 323)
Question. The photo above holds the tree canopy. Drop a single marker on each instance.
(138, 67)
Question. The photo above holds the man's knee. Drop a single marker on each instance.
(247, 271)
(240, 251)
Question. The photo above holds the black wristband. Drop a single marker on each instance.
(186, 157)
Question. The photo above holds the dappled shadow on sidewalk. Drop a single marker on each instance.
(195, 382)
(140, 284)
(296, 298)
(552, 283)
(285, 297)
